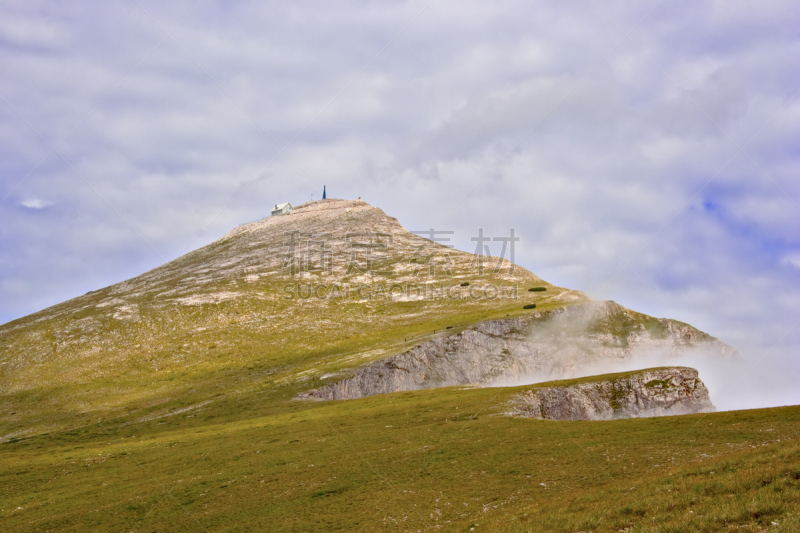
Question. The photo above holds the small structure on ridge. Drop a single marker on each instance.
(282, 209)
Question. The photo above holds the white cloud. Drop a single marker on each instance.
(35, 203)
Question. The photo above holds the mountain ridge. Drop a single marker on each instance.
(284, 304)
(224, 307)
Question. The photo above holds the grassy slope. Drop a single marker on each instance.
(183, 418)
(444, 459)
(84, 360)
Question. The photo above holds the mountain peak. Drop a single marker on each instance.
(276, 303)
(328, 212)
(337, 277)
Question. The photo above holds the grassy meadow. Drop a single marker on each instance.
(432, 460)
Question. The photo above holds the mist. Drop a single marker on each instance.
(579, 343)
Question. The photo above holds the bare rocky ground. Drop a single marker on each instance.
(653, 392)
(573, 341)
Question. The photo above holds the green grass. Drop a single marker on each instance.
(213, 347)
(443, 459)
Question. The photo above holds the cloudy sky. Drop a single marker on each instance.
(645, 152)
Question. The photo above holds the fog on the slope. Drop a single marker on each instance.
(572, 349)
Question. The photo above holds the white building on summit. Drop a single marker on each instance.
(282, 209)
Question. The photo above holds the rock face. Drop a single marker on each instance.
(653, 392)
(578, 340)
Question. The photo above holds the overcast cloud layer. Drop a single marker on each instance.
(645, 152)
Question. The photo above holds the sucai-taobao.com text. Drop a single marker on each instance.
(399, 291)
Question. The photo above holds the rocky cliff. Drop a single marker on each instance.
(652, 392)
(578, 340)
